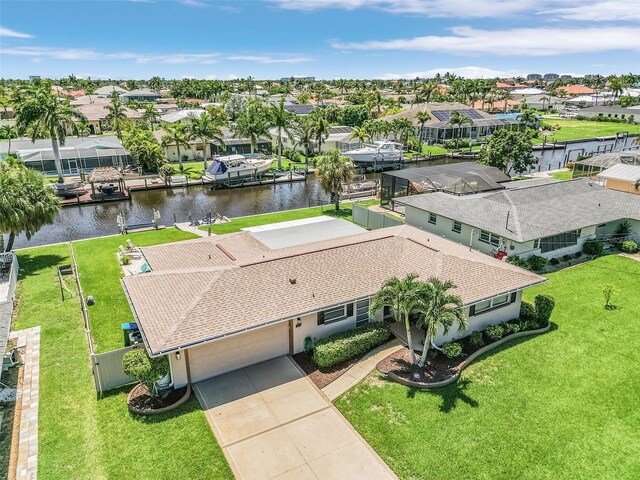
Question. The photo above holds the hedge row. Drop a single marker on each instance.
(337, 348)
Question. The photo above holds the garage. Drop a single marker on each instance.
(238, 351)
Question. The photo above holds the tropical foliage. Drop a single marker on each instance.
(332, 170)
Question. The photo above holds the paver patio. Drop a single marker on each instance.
(273, 423)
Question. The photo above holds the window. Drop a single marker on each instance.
(536, 243)
(492, 304)
(433, 218)
(362, 312)
(457, 227)
(490, 238)
(556, 242)
(335, 314)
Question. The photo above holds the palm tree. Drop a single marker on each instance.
(178, 135)
(282, 120)
(360, 133)
(83, 127)
(252, 124)
(117, 114)
(321, 128)
(439, 309)
(376, 101)
(206, 129)
(9, 132)
(422, 117)
(457, 120)
(332, 170)
(505, 96)
(527, 117)
(303, 128)
(401, 296)
(150, 114)
(40, 112)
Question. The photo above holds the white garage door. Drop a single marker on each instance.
(239, 351)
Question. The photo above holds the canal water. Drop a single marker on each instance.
(78, 222)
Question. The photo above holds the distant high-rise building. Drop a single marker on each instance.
(550, 77)
(566, 77)
(534, 76)
(34, 77)
(306, 79)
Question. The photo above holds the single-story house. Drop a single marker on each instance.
(214, 305)
(526, 218)
(592, 166)
(96, 114)
(624, 178)
(339, 137)
(183, 116)
(438, 128)
(576, 90)
(627, 114)
(300, 109)
(140, 95)
(108, 90)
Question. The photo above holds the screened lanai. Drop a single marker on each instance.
(75, 159)
(593, 165)
(462, 178)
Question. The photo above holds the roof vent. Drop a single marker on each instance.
(292, 281)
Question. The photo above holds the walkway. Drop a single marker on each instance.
(186, 227)
(273, 423)
(361, 369)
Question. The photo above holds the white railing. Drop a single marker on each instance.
(8, 274)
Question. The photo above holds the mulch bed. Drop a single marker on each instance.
(436, 369)
(142, 401)
(322, 378)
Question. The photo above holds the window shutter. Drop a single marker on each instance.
(472, 310)
(320, 318)
(514, 295)
(350, 310)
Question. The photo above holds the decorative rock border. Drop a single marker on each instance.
(180, 402)
(467, 361)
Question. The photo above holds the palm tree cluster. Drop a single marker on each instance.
(436, 308)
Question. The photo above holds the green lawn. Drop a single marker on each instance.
(237, 224)
(571, 129)
(81, 437)
(563, 405)
(100, 275)
(568, 175)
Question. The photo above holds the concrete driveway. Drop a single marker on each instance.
(274, 423)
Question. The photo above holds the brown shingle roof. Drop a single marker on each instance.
(180, 308)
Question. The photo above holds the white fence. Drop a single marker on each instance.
(107, 369)
(8, 279)
(373, 220)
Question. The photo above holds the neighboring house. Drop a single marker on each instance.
(214, 305)
(552, 219)
(626, 114)
(96, 114)
(577, 90)
(592, 166)
(300, 109)
(528, 91)
(140, 95)
(339, 137)
(183, 116)
(438, 128)
(108, 90)
(624, 178)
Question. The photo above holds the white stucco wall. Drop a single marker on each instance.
(178, 369)
(171, 152)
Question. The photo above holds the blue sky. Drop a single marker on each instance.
(321, 38)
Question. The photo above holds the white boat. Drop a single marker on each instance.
(377, 153)
(231, 167)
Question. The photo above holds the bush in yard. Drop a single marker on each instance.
(511, 327)
(517, 261)
(554, 261)
(476, 339)
(566, 258)
(125, 260)
(137, 364)
(452, 349)
(544, 307)
(536, 262)
(527, 311)
(494, 332)
(342, 346)
(629, 246)
(578, 254)
(593, 247)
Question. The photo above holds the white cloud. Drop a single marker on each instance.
(598, 11)
(518, 41)
(270, 59)
(7, 32)
(194, 3)
(466, 72)
(430, 8)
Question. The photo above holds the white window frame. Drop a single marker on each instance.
(342, 316)
(492, 239)
(492, 303)
(361, 311)
(456, 224)
(433, 218)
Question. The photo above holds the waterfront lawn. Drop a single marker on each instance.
(571, 129)
(553, 406)
(100, 275)
(80, 436)
(192, 170)
(568, 175)
(237, 224)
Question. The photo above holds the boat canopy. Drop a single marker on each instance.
(217, 168)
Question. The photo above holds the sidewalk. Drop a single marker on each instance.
(360, 370)
(185, 227)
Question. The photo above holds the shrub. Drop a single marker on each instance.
(476, 339)
(452, 349)
(629, 246)
(608, 290)
(527, 325)
(527, 311)
(593, 247)
(623, 229)
(494, 332)
(578, 254)
(517, 261)
(544, 307)
(536, 262)
(566, 258)
(511, 327)
(137, 364)
(554, 261)
(166, 170)
(125, 259)
(342, 346)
